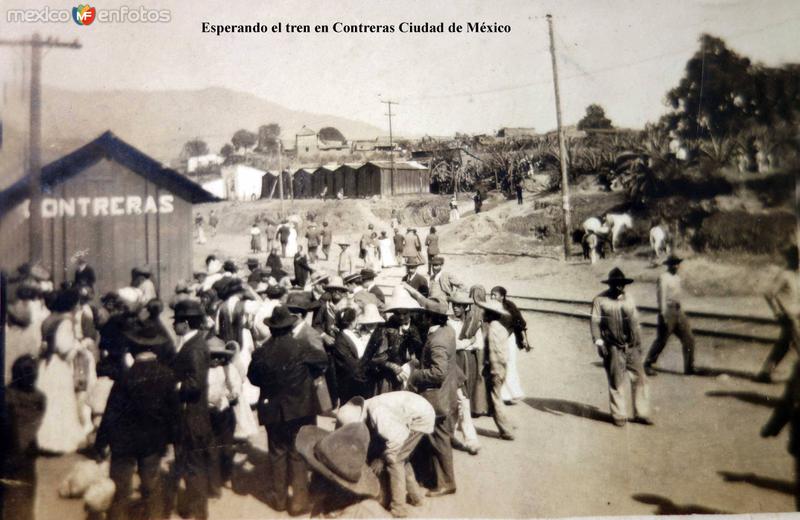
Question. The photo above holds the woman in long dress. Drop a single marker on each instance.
(61, 430)
(385, 245)
(255, 238)
(512, 390)
(291, 243)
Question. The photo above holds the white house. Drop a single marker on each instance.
(242, 182)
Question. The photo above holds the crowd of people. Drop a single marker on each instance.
(403, 375)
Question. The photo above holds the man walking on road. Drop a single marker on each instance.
(616, 333)
(313, 236)
(432, 245)
(671, 319)
(399, 245)
(784, 298)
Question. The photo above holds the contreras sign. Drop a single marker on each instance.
(103, 206)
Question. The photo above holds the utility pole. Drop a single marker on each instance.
(391, 142)
(562, 148)
(36, 44)
(280, 174)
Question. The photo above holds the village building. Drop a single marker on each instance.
(345, 179)
(302, 187)
(306, 143)
(242, 182)
(203, 162)
(113, 203)
(382, 179)
(270, 185)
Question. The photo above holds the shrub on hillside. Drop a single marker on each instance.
(738, 230)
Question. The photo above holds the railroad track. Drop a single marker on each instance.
(731, 326)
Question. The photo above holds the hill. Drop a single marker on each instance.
(159, 123)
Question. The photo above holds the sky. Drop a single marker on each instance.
(624, 55)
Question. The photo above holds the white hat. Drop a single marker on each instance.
(370, 315)
(401, 300)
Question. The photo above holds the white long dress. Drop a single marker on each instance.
(512, 387)
(61, 430)
(386, 247)
(291, 243)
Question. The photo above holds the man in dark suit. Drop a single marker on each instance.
(190, 366)
(139, 422)
(414, 279)
(301, 268)
(284, 369)
(84, 274)
(436, 377)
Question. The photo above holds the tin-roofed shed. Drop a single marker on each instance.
(113, 202)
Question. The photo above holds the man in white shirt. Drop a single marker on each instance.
(397, 422)
(671, 319)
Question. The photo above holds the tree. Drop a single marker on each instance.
(595, 118)
(226, 150)
(330, 133)
(268, 136)
(244, 139)
(194, 148)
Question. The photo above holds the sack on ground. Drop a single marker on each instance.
(99, 496)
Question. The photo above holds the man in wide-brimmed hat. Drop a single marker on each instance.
(497, 338)
(397, 421)
(436, 377)
(139, 422)
(617, 334)
(344, 485)
(784, 300)
(671, 318)
(403, 337)
(285, 370)
(190, 366)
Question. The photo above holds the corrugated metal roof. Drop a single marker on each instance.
(399, 165)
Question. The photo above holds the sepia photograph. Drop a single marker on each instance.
(389, 259)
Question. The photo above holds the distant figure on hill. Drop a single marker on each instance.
(346, 261)
(478, 200)
(432, 245)
(412, 248)
(399, 245)
(385, 251)
(198, 228)
(255, 238)
(327, 240)
(454, 215)
(213, 222)
(282, 236)
(518, 187)
(659, 243)
(313, 236)
(270, 232)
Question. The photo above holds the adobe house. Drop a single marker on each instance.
(116, 204)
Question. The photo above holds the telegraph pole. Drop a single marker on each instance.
(562, 147)
(36, 44)
(391, 145)
(280, 175)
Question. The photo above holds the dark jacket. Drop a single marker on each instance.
(284, 369)
(301, 270)
(432, 243)
(437, 377)
(274, 263)
(352, 375)
(231, 323)
(141, 416)
(85, 277)
(514, 323)
(399, 243)
(190, 366)
(417, 281)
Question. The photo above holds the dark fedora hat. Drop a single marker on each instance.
(188, 309)
(437, 260)
(281, 318)
(340, 456)
(301, 301)
(275, 292)
(617, 277)
(65, 300)
(673, 260)
(146, 335)
(368, 274)
(413, 263)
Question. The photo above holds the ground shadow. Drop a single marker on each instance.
(773, 484)
(747, 397)
(561, 407)
(665, 506)
(251, 478)
(710, 372)
(487, 433)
